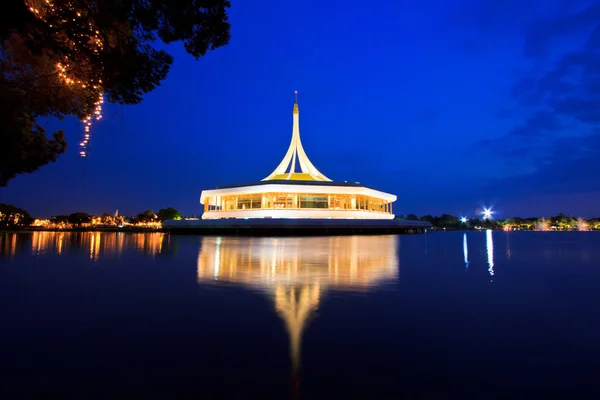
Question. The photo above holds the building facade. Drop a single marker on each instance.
(287, 193)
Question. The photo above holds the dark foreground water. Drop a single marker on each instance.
(479, 315)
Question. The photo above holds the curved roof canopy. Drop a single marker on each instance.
(286, 170)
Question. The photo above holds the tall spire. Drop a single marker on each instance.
(286, 169)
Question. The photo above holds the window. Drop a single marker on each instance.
(314, 202)
(285, 201)
(256, 202)
(244, 202)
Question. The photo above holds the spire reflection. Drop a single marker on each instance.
(296, 272)
(489, 245)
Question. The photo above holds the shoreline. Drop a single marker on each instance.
(232, 231)
(91, 229)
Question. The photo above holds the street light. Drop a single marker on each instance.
(487, 213)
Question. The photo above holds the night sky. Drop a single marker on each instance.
(448, 105)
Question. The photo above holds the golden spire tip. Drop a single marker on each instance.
(295, 102)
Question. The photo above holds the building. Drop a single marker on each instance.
(297, 189)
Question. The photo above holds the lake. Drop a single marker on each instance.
(473, 314)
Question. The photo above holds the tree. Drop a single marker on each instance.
(60, 219)
(79, 218)
(146, 216)
(12, 217)
(168, 213)
(412, 217)
(428, 218)
(62, 58)
(449, 221)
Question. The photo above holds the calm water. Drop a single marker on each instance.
(445, 315)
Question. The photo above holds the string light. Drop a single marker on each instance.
(66, 70)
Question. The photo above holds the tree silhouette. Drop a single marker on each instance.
(79, 218)
(146, 216)
(168, 213)
(60, 58)
(12, 217)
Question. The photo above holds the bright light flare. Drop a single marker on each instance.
(463, 220)
(487, 213)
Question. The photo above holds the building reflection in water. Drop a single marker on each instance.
(465, 251)
(98, 244)
(296, 272)
(489, 245)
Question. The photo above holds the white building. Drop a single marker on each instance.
(287, 193)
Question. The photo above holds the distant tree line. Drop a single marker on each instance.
(448, 221)
(12, 218)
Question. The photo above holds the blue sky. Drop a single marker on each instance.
(449, 105)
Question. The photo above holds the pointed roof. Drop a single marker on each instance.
(286, 170)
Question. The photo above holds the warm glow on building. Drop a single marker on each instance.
(291, 193)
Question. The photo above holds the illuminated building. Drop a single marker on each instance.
(297, 189)
(295, 279)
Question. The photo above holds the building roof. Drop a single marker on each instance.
(294, 182)
(286, 170)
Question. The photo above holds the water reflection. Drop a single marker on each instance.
(296, 272)
(8, 244)
(97, 244)
(508, 251)
(465, 251)
(489, 245)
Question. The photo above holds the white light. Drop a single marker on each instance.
(487, 213)
(489, 245)
(463, 220)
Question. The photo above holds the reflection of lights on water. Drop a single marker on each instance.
(465, 251)
(59, 244)
(217, 259)
(489, 245)
(97, 243)
(8, 244)
(95, 246)
(296, 272)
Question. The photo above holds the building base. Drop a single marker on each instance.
(294, 227)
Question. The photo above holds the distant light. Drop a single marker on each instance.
(487, 213)
(463, 220)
